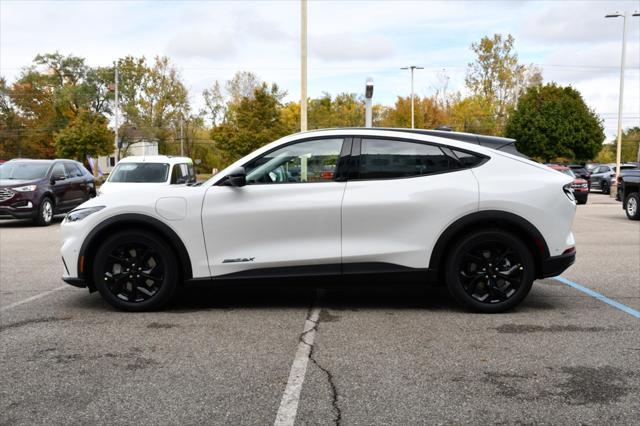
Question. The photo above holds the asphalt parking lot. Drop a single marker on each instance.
(385, 355)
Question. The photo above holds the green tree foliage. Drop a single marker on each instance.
(427, 111)
(630, 148)
(87, 134)
(496, 76)
(152, 99)
(251, 122)
(552, 121)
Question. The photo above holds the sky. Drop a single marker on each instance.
(348, 41)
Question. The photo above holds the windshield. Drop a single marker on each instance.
(140, 173)
(568, 172)
(23, 171)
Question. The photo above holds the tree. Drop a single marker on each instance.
(152, 98)
(552, 121)
(473, 114)
(428, 113)
(87, 134)
(498, 77)
(251, 123)
(630, 148)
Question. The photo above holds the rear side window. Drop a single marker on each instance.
(72, 170)
(180, 174)
(387, 158)
(467, 159)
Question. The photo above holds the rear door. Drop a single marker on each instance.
(404, 194)
(75, 183)
(286, 220)
(60, 187)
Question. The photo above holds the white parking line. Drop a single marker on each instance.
(32, 298)
(289, 404)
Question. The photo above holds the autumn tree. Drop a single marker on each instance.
(251, 122)
(428, 113)
(552, 121)
(87, 134)
(498, 77)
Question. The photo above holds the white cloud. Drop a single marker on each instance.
(345, 47)
(196, 44)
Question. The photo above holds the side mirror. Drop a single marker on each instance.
(236, 178)
(57, 178)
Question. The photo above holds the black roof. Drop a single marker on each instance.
(493, 142)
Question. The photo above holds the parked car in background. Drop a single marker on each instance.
(580, 186)
(39, 189)
(148, 171)
(629, 192)
(581, 172)
(397, 205)
(602, 175)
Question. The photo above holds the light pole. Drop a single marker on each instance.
(412, 68)
(368, 101)
(624, 16)
(303, 65)
(117, 107)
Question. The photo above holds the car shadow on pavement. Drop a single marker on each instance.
(26, 223)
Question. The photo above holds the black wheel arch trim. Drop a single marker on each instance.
(140, 221)
(497, 219)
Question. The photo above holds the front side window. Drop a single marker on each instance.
(72, 170)
(58, 171)
(140, 173)
(386, 159)
(304, 162)
(180, 174)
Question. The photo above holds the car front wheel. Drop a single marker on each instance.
(135, 271)
(44, 216)
(489, 271)
(605, 188)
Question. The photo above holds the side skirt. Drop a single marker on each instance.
(332, 274)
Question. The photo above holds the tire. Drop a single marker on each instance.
(605, 188)
(135, 271)
(477, 288)
(581, 200)
(632, 206)
(44, 216)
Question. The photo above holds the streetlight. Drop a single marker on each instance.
(368, 95)
(412, 68)
(624, 47)
(303, 65)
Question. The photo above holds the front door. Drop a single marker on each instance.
(60, 187)
(288, 214)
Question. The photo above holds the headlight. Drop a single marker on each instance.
(80, 214)
(26, 188)
(568, 191)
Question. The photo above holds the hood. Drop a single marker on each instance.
(111, 187)
(9, 183)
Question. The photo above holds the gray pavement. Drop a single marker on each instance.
(383, 355)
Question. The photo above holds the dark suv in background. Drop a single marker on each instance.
(39, 189)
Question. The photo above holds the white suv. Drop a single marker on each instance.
(396, 205)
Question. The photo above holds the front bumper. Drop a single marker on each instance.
(556, 265)
(76, 282)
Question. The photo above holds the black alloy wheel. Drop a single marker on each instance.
(135, 271)
(490, 271)
(605, 187)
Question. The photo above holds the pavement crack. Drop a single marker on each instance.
(337, 419)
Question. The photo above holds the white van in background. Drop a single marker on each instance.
(142, 172)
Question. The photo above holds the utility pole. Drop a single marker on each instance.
(117, 107)
(625, 15)
(303, 65)
(181, 139)
(412, 68)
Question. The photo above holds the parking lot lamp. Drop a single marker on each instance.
(303, 65)
(412, 68)
(624, 16)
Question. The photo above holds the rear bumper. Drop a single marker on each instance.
(556, 265)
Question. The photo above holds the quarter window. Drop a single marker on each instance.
(385, 159)
(304, 162)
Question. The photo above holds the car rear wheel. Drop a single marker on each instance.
(633, 206)
(489, 271)
(44, 217)
(135, 271)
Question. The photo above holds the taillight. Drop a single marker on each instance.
(619, 180)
